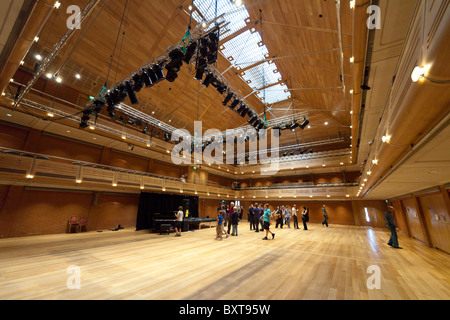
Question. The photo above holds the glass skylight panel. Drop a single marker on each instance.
(234, 17)
(245, 49)
(261, 76)
(274, 94)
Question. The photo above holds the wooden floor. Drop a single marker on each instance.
(321, 263)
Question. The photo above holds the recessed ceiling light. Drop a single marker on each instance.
(9, 115)
(326, 123)
(77, 76)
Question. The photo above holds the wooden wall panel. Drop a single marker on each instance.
(29, 212)
(412, 217)
(437, 220)
(111, 210)
(126, 161)
(65, 148)
(400, 217)
(35, 212)
(12, 137)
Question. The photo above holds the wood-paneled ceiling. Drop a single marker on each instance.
(290, 29)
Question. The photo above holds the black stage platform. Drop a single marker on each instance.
(188, 223)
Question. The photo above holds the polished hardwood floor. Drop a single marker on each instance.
(321, 263)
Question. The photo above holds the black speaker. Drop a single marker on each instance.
(186, 205)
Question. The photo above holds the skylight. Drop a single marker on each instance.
(261, 76)
(274, 94)
(244, 50)
(234, 16)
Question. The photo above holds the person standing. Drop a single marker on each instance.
(294, 216)
(305, 217)
(279, 217)
(179, 221)
(219, 229)
(256, 216)
(230, 211)
(261, 213)
(325, 216)
(235, 221)
(266, 219)
(287, 216)
(390, 224)
(251, 215)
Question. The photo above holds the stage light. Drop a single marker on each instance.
(144, 131)
(131, 93)
(85, 118)
(221, 89)
(203, 47)
(120, 93)
(256, 123)
(111, 102)
(252, 119)
(234, 104)
(157, 71)
(304, 124)
(243, 113)
(208, 79)
(190, 52)
(294, 125)
(201, 65)
(146, 78)
(227, 98)
(98, 105)
(213, 46)
(174, 65)
(240, 108)
(167, 137)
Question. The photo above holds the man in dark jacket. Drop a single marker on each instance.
(256, 216)
(390, 224)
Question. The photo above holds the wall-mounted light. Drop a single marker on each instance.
(417, 74)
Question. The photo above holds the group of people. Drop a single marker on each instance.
(260, 217)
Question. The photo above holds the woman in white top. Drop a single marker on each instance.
(179, 221)
(294, 217)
